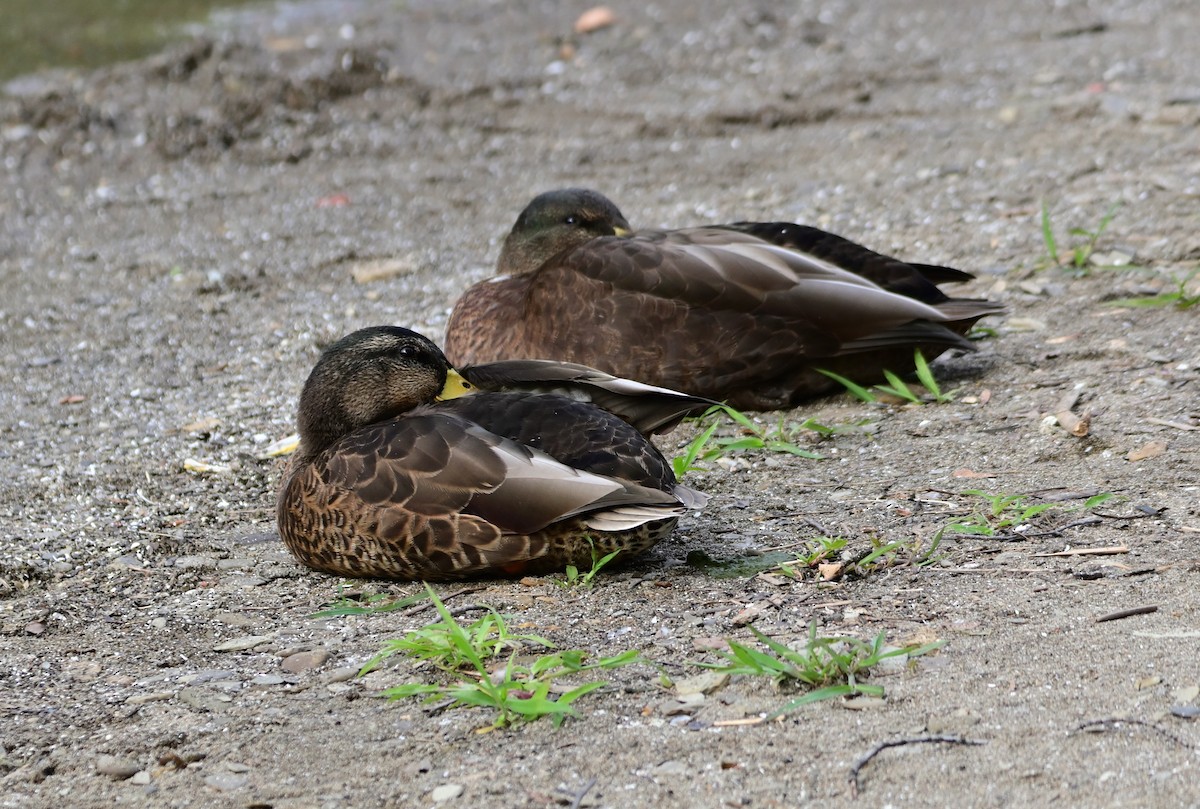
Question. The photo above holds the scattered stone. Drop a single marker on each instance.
(242, 644)
(203, 699)
(226, 782)
(140, 778)
(1185, 711)
(304, 661)
(704, 683)
(446, 792)
(83, 671)
(342, 674)
(1187, 694)
(116, 767)
(235, 563)
(35, 628)
(194, 562)
(268, 679)
(234, 619)
(686, 704)
(864, 703)
(1111, 258)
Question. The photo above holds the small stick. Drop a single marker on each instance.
(1119, 614)
(578, 796)
(1108, 724)
(429, 604)
(879, 748)
(739, 723)
(1177, 425)
(1109, 551)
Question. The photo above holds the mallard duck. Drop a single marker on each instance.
(744, 313)
(393, 478)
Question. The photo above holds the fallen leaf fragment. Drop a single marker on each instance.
(203, 467)
(284, 446)
(748, 614)
(333, 201)
(202, 425)
(594, 19)
(74, 398)
(830, 570)
(366, 272)
(967, 473)
(1151, 449)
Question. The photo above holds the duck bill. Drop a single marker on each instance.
(622, 232)
(455, 386)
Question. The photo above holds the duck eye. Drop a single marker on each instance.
(571, 219)
(408, 352)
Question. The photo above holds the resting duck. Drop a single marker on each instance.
(744, 313)
(398, 475)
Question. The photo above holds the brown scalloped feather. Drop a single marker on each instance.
(744, 313)
(388, 483)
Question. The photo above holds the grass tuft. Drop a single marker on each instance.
(709, 446)
(831, 666)
(518, 691)
(896, 386)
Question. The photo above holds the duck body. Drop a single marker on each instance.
(390, 483)
(744, 313)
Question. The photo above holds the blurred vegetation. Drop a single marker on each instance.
(37, 34)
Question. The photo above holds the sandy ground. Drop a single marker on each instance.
(180, 236)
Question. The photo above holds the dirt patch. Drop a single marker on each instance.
(179, 237)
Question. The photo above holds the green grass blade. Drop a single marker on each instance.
(1048, 235)
(853, 388)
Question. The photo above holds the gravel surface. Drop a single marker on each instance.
(180, 236)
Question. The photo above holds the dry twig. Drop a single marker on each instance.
(1096, 725)
(879, 748)
(1119, 614)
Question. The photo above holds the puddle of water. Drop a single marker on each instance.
(739, 567)
(38, 34)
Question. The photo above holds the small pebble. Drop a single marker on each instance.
(242, 644)
(304, 661)
(116, 767)
(341, 675)
(703, 683)
(446, 792)
(226, 782)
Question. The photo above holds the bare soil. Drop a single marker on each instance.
(179, 237)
